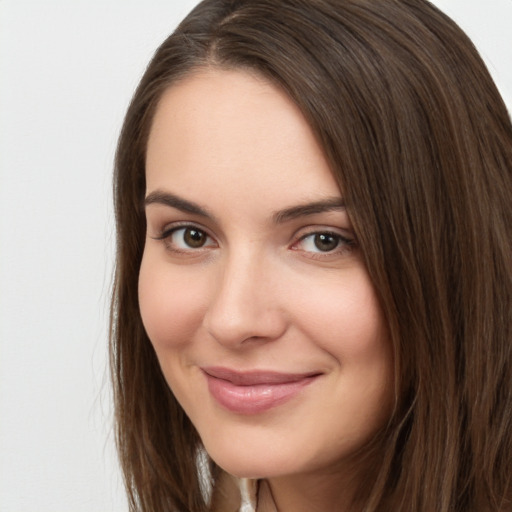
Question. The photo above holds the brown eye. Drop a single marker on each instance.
(186, 238)
(326, 242)
(194, 238)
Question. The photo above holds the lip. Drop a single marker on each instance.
(255, 391)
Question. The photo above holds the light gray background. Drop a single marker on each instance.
(67, 71)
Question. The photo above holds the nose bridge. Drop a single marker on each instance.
(244, 304)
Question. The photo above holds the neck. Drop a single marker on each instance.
(306, 494)
(336, 488)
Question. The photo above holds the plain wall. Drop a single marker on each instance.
(67, 71)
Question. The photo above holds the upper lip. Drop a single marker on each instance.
(255, 377)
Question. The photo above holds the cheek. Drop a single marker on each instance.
(345, 317)
(171, 304)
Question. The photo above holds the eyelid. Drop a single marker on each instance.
(343, 232)
(169, 229)
(347, 241)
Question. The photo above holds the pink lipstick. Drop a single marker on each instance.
(255, 391)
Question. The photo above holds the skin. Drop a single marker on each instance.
(261, 293)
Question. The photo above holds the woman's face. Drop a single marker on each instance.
(252, 287)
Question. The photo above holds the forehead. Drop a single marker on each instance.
(234, 132)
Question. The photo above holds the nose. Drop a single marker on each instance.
(245, 304)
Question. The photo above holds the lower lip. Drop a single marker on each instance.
(254, 399)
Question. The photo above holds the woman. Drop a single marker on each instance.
(312, 303)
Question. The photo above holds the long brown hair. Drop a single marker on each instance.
(421, 144)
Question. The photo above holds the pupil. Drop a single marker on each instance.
(325, 242)
(194, 238)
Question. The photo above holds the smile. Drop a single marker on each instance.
(254, 392)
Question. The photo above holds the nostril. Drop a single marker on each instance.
(244, 304)
(243, 325)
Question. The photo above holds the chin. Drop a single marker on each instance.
(257, 463)
(249, 463)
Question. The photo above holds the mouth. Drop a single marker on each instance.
(255, 391)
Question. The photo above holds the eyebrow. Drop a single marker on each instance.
(326, 205)
(173, 201)
(279, 217)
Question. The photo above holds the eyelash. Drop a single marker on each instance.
(344, 244)
(167, 234)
